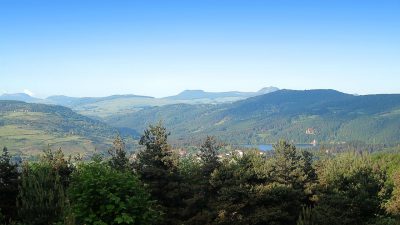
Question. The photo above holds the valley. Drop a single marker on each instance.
(302, 117)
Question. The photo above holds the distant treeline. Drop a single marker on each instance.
(158, 186)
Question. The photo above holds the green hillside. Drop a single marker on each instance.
(104, 107)
(328, 115)
(28, 128)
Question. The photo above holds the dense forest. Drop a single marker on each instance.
(332, 116)
(157, 185)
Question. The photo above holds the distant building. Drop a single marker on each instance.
(310, 131)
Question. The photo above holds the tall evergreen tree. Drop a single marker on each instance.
(119, 160)
(201, 193)
(306, 217)
(9, 179)
(41, 198)
(247, 196)
(157, 167)
(209, 156)
(60, 164)
(287, 168)
(351, 191)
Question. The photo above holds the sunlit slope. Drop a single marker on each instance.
(29, 128)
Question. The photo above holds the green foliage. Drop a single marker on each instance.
(9, 179)
(306, 217)
(282, 187)
(64, 167)
(119, 160)
(196, 175)
(2, 218)
(209, 156)
(286, 114)
(41, 198)
(157, 168)
(246, 194)
(286, 168)
(393, 205)
(351, 182)
(100, 194)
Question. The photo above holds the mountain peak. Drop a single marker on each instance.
(19, 97)
(267, 90)
(192, 91)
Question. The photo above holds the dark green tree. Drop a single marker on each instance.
(100, 194)
(198, 204)
(59, 163)
(119, 159)
(41, 198)
(246, 194)
(350, 191)
(306, 217)
(157, 167)
(9, 179)
(209, 156)
(287, 166)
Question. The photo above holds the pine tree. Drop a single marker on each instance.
(350, 191)
(119, 160)
(59, 164)
(201, 193)
(287, 165)
(157, 167)
(9, 179)
(209, 156)
(41, 198)
(306, 217)
(247, 196)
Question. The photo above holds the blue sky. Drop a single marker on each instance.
(158, 48)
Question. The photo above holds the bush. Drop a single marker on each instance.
(102, 195)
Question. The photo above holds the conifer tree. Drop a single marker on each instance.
(287, 168)
(119, 160)
(306, 217)
(9, 179)
(41, 198)
(350, 191)
(247, 196)
(58, 162)
(209, 156)
(157, 167)
(201, 193)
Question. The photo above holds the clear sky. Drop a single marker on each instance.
(158, 48)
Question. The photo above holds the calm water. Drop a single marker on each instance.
(268, 147)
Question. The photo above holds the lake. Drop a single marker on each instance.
(269, 147)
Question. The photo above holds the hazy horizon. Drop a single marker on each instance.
(28, 92)
(160, 48)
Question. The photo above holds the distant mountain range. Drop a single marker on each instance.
(326, 116)
(200, 94)
(20, 97)
(300, 116)
(102, 107)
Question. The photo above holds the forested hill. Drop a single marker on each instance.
(299, 116)
(28, 128)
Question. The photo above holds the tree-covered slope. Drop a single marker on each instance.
(300, 116)
(28, 128)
